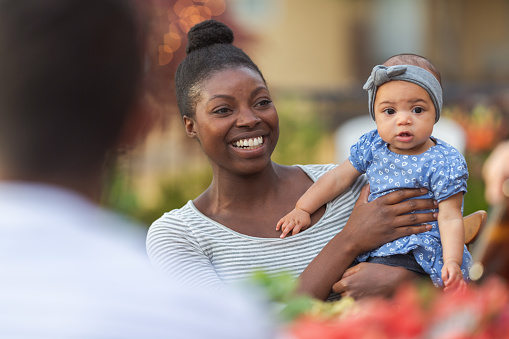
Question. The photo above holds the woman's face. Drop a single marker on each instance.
(235, 121)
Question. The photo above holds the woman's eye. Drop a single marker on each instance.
(418, 110)
(264, 102)
(221, 110)
(389, 111)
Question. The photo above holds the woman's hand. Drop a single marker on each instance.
(370, 279)
(369, 226)
(387, 218)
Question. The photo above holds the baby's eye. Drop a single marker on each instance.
(389, 111)
(418, 110)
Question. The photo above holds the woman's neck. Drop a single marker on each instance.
(241, 192)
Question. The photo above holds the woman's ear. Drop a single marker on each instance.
(189, 124)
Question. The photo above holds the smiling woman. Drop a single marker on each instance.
(229, 230)
(235, 109)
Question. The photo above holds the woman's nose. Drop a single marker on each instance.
(247, 118)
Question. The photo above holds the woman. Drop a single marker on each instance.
(230, 229)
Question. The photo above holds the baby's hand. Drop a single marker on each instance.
(452, 277)
(296, 220)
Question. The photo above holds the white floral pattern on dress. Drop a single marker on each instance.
(441, 169)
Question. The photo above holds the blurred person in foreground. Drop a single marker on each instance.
(495, 172)
(70, 90)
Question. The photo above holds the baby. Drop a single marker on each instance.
(405, 100)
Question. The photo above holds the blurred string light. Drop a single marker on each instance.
(184, 15)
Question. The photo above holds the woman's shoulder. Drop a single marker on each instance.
(177, 220)
(315, 171)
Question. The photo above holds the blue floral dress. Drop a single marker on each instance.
(441, 169)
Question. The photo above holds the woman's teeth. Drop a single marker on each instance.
(249, 143)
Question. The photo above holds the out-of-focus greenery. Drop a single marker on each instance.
(301, 132)
(174, 193)
(281, 289)
(474, 199)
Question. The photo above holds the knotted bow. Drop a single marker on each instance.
(382, 74)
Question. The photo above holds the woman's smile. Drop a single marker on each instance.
(235, 111)
(251, 143)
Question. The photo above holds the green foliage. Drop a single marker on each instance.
(281, 289)
(174, 193)
(474, 199)
(301, 132)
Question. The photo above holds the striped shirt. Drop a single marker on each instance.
(188, 245)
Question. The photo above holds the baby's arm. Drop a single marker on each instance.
(330, 185)
(452, 234)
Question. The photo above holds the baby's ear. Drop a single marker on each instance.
(189, 124)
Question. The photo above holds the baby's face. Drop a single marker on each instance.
(404, 115)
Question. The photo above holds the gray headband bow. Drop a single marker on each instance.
(417, 75)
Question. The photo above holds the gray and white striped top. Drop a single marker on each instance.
(187, 245)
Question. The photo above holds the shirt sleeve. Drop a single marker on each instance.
(361, 152)
(175, 252)
(449, 175)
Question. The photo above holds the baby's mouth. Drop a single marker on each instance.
(250, 143)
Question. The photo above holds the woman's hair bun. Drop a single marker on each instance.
(208, 33)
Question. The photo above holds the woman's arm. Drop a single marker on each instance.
(175, 253)
(369, 279)
(369, 226)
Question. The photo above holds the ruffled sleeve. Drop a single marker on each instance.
(449, 174)
(361, 153)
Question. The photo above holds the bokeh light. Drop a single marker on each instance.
(165, 55)
(172, 41)
(216, 7)
(189, 13)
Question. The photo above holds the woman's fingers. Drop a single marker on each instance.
(402, 194)
(403, 231)
(363, 196)
(414, 219)
(412, 205)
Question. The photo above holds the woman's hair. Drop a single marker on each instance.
(414, 60)
(209, 50)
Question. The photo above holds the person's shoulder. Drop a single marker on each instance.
(315, 171)
(177, 225)
(177, 216)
